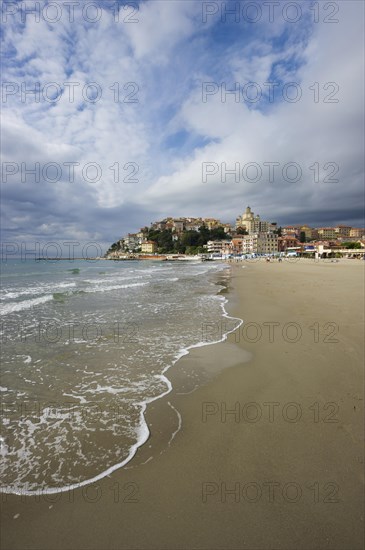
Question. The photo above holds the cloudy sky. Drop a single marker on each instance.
(122, 113)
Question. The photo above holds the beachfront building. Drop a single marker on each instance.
(260, 243)
(249, 244)
(268, 243)
(149, 247)
(218, 247)
(287, 242)
(237, 245)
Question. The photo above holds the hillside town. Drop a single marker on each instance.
(250, 236)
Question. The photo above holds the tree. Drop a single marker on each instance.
(114, 247)
(179, 248)
(241, 231)
(355, 245)
(204, 235)
(191, 250)
(162, 238)
(218, 234)
(190, 238)
(302, 237)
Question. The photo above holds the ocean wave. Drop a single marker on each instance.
(26, 304)
(114, 287)
(112, 278)
(34, 290)
(57, 296)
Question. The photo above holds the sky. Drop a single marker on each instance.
(118, 114)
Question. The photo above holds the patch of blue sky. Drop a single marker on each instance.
(185, 142)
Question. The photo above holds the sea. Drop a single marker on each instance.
(86, 346)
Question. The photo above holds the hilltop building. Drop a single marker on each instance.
(257, 236)
(253, 224)
(343, 230)
(357, 232)
(327, 233)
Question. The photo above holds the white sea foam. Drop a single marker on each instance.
(80, 397)
(141, 431)
(179, 423)
(113, 287)
(26, 304)
(112, 279)
(34, 290)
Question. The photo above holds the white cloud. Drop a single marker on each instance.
(161, 26)
(168, 54)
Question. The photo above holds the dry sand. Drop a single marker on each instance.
(283, 471)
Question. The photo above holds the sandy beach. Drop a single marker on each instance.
(266, 454)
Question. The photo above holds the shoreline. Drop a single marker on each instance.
(168, 508)
(143, 427)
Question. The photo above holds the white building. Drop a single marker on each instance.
(132, 241)
(218, 247)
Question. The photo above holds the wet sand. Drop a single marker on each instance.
(269, 454)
